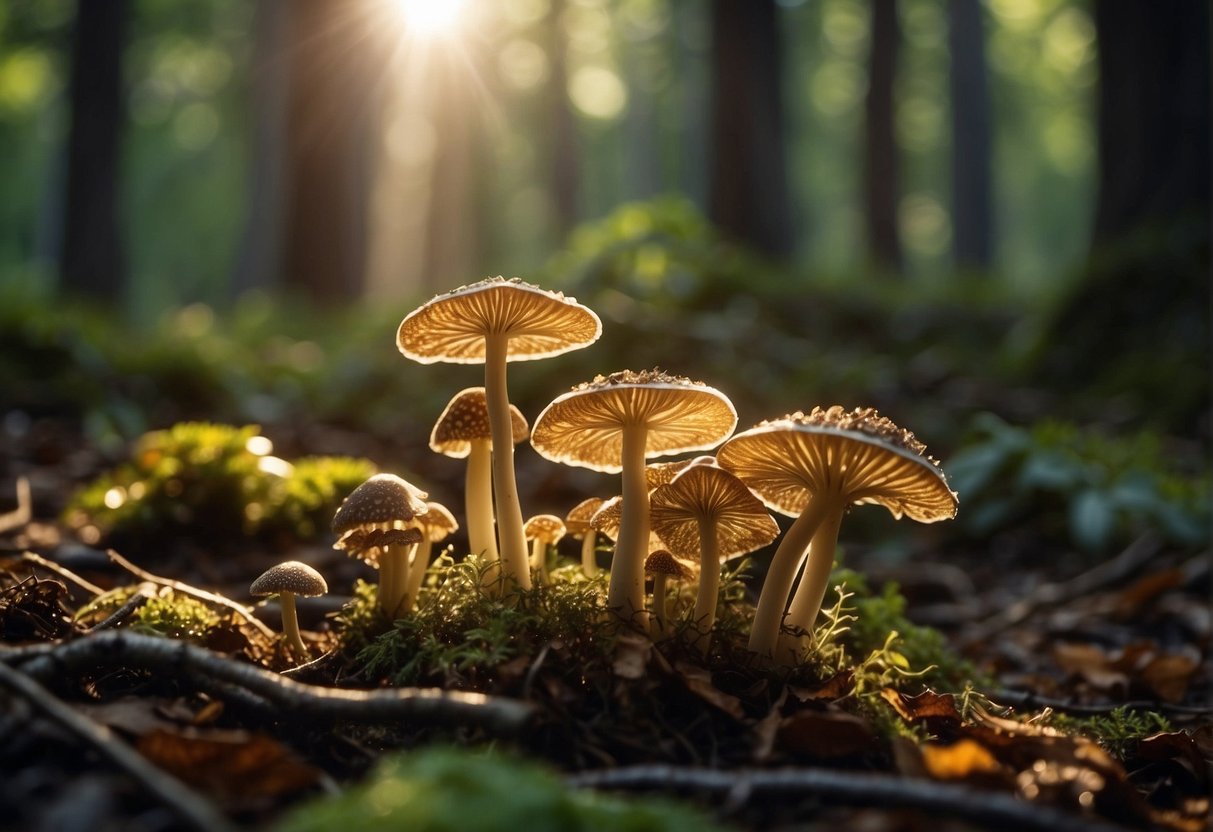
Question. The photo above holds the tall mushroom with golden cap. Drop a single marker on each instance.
(613, 424)
(493, 322)
(577, 523)
(385, 502)
(462, 431)
(543, 530)
(708, 514)
(435, 525)
(813, 467)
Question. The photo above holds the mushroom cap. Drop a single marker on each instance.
(659, 473)
(577, 521)
(546, 527)
(606, 519)
(438, 523)
(290, 576)
(367, 544)
(452, 327)
(466, 419)
(585, 425)
(865, 455)
(705, 490)
(661, 562)
(383, 500)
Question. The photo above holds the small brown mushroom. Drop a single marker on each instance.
(543, 530)
(663, 566)
(288, 580)
(577, 522)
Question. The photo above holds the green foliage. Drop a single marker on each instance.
(445, 790)
(213, 482)
(174, 616)
(1080, 485)
(1118, 731)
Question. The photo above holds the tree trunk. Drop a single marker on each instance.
(331, 99)
(881, 163)
(1153, 113)
(563, 173)
(748, 197)
(452, 234)
(93, 262)
(972, 239)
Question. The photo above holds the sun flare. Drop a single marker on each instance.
(431, 18)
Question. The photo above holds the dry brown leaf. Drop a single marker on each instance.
(632, 653)
(961, 760)
(1168, 676)
(826, 735)
(837, 686)
(232, 767)
(699, 681)
(937, 710)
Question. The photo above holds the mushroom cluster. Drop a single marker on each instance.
(670, 516)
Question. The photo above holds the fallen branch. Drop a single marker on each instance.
(121, 614)
(847, 788)
(62, 572)
(194, 592)
(121, 648)
(197, 812)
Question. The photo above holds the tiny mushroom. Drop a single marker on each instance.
(613, 424)
(708, 514)
(462, 431)
(493, 322)
(385, 502)
(288, 580)
(577, 523)
(813, 467)
(543, 530)
(435, 525)
(663, 566)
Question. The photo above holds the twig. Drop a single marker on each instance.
(848, 788)
(121, 614)
(62, 572)
(193, 591)
(1027, 699)
(24, 511)
(1135, 555)
(118, 647)
(190, 806)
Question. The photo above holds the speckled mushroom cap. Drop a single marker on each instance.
(585, 425)
(659, 473)
(465, 420)
(368, 544)
(577, 521)
(438, 523)
(452, 327)
(607, 517)
(291, 576)
(704, 490)
(546, 527)
(661, 562)
(384, 500)
(863, 454)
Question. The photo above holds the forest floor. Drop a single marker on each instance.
(1091, 704)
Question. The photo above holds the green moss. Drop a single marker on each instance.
(445, 790)
(175, 616)
(1118, 731)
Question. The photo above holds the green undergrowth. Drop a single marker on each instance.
(1119, 730)
(449, 790)
(211, 482)
(169, 614)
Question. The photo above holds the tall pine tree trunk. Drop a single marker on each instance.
(881, 169)
(749, 198)
(563, 170)
(93, 262)
(972, 237)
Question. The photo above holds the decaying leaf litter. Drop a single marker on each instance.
(1022, 722)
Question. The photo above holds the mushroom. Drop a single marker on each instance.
(462, 431)
(577, 523)
(288, 580)
(543, 530)
(613, 424)
(384, 502)
(708, 514)
(493, 322)
(435, 525)
(662, 566)
(813, 467)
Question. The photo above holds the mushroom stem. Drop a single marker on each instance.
(387, 577)
(806, 603)
(509, 510)
(392, 598)
(773, 599)
(420, 563)
(659, 605)
(625, 595)
(539, 559)
(589, 561)
(290, 625)
(478, 500)
(709, 582)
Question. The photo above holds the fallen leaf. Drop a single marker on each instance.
(631, 656)
(958, 761)
(1168, 676)
(937, 711)
(837, 686)
(826, 735)
(699, 681)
